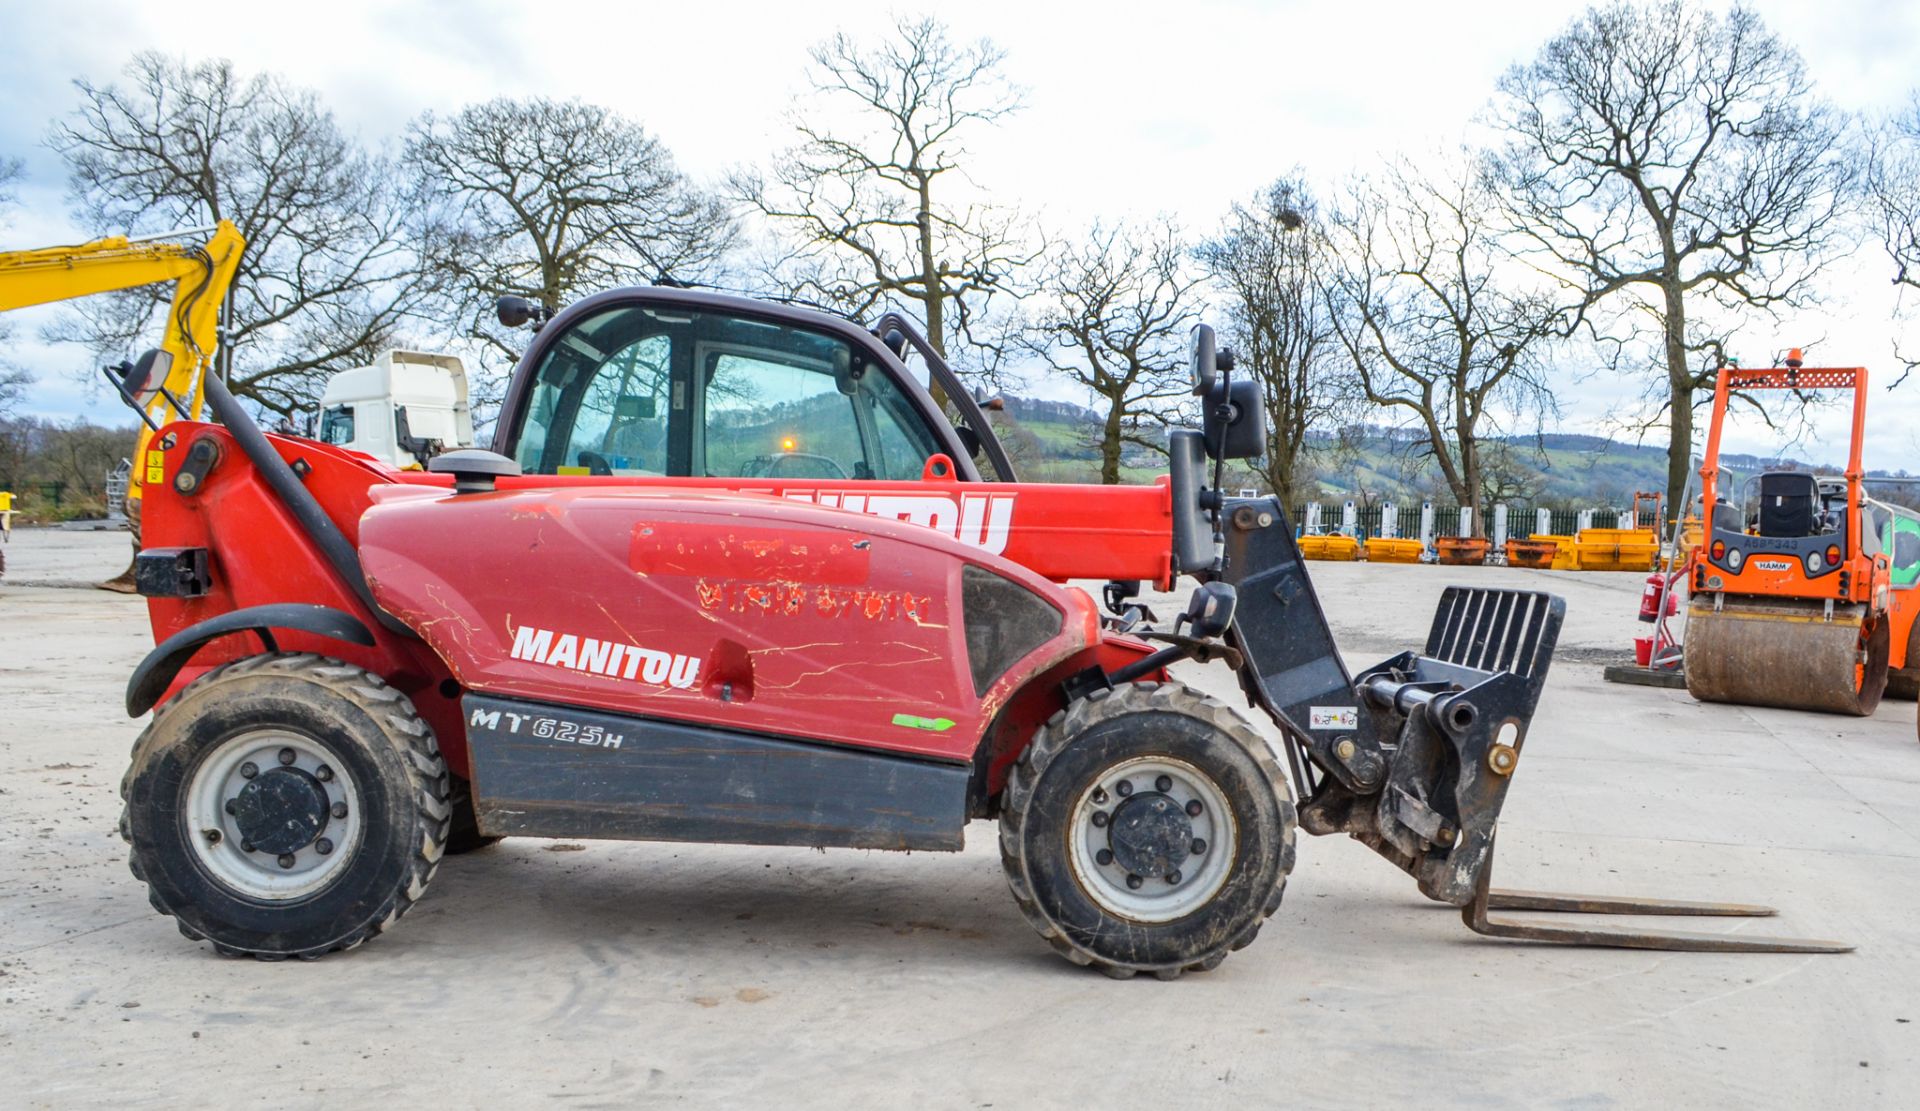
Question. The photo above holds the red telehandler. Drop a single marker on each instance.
(730, 575)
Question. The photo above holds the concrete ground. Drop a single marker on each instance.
(635, 974)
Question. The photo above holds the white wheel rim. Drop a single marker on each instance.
(216, 836)
(1158, 898)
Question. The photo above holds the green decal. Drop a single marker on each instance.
(914, 721)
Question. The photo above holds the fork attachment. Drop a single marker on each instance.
(1413, 756)
(1487, 898)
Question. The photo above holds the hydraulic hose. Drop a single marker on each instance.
(293, 494)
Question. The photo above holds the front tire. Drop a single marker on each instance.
(286, 805)
(1147, 829)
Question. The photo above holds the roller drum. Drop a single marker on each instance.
(1786, 653)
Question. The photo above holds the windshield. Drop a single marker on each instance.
(643, 390)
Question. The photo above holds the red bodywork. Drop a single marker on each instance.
(755, 610)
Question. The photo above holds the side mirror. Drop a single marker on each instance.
(1201, 359)
(1206, 358)
(144, 377)
(1233, 423)
(969, 439)
(515, 311)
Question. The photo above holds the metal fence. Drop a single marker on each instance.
(1522, 521)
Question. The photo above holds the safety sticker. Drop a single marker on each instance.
(914, 721)
(1333, 717)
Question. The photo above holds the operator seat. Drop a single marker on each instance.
(1789, 504)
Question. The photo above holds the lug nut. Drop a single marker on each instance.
(1099, 819)
(323, 846)
(1123, 788)
(339, 810)
(1134, 882)
(212, 836)
(1199, 845)
(288, 756)
(323, 773)
(1163, 784)
(246, 846)
(1100, 796)
(1194, 808)
(286, 860)
(249, 769)
(1103, 857)
(1173, 876)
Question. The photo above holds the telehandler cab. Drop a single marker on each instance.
(729, 574)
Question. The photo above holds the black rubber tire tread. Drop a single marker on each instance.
(1103, 706)
(414, 750)
(1904, 683)
(463, 832)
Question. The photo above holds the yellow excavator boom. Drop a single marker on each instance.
(202, 273)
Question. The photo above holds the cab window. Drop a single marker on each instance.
(648, 391)
(336, 425)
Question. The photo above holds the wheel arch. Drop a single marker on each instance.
(156, 672)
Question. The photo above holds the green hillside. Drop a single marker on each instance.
(1054, 441)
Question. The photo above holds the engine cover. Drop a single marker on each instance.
(742, 612)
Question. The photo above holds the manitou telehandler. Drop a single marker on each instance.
(1808, 601)
(729, 574)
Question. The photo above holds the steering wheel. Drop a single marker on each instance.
(779, 467)
(595, 463)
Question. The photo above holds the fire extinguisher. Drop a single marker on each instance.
(1650, 598)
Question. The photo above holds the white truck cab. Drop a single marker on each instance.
(404, 409)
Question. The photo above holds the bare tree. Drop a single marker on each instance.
(14, 380)
(1263, 261)
(1666, 160)
(1893, 181)
(1433, 330)
(1120, 304)
(550, 200)
(328, 278)
(872, 203)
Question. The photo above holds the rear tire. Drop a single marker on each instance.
(322, 764)
(1158, 778)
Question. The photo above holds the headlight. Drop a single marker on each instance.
(1733, 559)
(1813, 563)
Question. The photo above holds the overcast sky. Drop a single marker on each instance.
(1131, 110)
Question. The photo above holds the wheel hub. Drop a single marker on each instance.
(281, 811)
(1150, 835)
(275, 814)
(1152, 838)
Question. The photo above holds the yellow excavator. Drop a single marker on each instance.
(201, 273)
